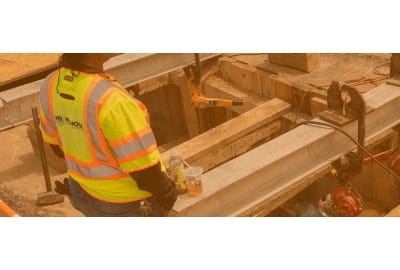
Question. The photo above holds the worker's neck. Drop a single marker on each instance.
(92, 67)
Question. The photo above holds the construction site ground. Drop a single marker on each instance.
(21, 176)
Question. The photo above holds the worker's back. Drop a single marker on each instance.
(79, 105)
(69, 105)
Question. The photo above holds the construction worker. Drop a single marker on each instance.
(113, 162)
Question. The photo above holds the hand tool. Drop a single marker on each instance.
(49, 197)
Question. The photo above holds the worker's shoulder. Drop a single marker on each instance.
(115, 96)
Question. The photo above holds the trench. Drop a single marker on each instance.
(170, 122)
(375, 186)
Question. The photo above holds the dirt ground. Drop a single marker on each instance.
(21, 177)
(13, 65)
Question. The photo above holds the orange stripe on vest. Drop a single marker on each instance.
(131, 137)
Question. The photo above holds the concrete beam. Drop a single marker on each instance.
(141, 67)
(257, 177)
(130, 69)
(16, 104)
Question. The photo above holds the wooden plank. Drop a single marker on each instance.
(175, 114)
(164, 147)
(283, 89)
(395, 65)
(317, 105)
(211, 117)
(395, 212)
(301, 61)
(243, 75)
(189, 111)
(292, 119)
(283, 163)
(215, 142)
(266, 80)
(222, 153)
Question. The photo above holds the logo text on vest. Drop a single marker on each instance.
(64, 120)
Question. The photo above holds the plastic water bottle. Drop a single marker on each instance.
(176, 169)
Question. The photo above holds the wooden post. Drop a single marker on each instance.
(395, 65)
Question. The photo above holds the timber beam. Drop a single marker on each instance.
(256, 179)
(233, 137)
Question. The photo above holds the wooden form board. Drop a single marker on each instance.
(233, 137)
(265, 81)
(259, 176)
(243, 75)
(317, 105)
(189, 112)
(395, 65)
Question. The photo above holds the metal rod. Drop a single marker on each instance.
(41, 149)
(198, 64)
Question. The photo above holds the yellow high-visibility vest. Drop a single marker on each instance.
(103, 131)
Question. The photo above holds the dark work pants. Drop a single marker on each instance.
(92, 207)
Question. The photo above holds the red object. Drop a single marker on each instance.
(346, 202)
(382, 157)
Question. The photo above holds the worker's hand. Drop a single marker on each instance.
(62, 188)
(162, 187)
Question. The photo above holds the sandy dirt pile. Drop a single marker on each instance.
(16, 64)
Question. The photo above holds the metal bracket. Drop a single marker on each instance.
(346, 104)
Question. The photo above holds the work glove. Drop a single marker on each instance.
(62, 187)
(162, 187)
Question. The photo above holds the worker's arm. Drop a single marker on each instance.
(124, 122)
(154, 180)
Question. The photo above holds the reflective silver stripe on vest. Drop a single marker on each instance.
(101, 171)
(135, 146)
(44, 99)
(47, 129)
(92, 117)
